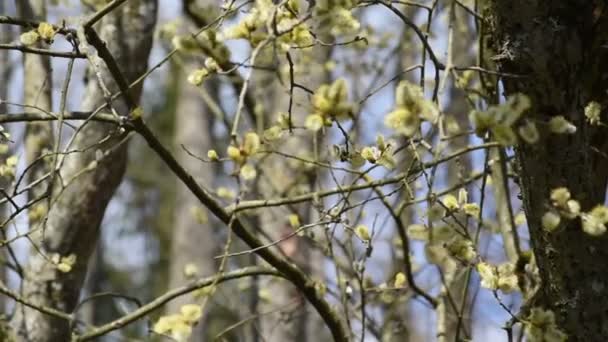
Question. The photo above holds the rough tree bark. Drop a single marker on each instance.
(560, 48)
(77, 209)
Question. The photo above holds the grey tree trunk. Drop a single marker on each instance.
(5, 75)
(292, 319)
(91, 312)
(453, 304)
(192, 236)
(560, 47)
(283, 314)
(78, 206)
(402, 322)
(37, 76)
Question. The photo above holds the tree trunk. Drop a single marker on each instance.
(78, 206)
(192, 237)
(5, 75)
(37, 76)
(296, 320)
(453, 304)
(280, 304)
(559, 47)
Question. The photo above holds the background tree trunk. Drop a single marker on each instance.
(454, 304)
(6, 70)
(286, 315)
(192, 238)
(37, 75)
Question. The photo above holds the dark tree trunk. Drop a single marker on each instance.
(559, 47)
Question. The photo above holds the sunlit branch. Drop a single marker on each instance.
(38, 51)
(253, 204)
(161, 300)
(33, 117)
(44, 309)
(34, 24)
